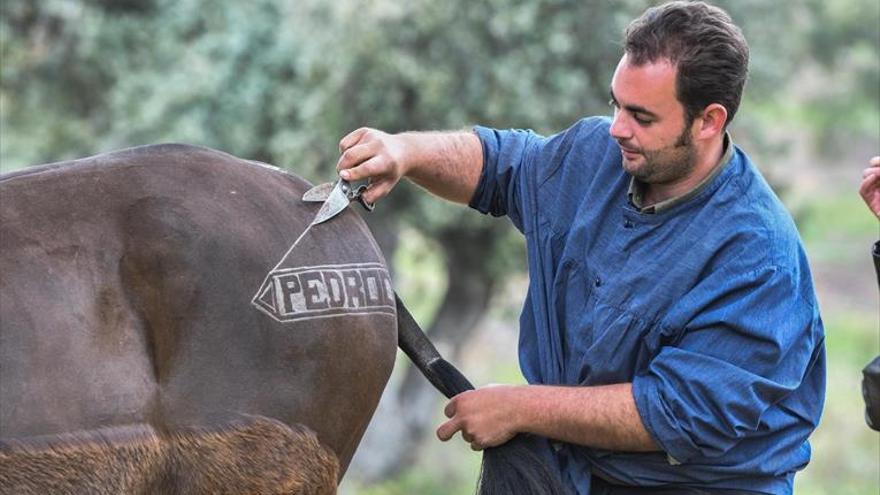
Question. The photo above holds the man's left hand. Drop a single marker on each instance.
(486, 417)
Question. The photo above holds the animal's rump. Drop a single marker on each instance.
(126, 299)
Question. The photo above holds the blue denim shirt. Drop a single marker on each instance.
(707, 307)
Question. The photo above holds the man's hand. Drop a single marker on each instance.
(486, 417)
(374, 155)
(603, 416)
(870, 188)
(447, 164)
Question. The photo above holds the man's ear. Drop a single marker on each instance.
(711, 121)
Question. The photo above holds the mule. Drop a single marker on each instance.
(132, 344)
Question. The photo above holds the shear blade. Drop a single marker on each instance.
(337, 200)
(320, 193)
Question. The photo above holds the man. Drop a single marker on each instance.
(671, 335)
(869, 189)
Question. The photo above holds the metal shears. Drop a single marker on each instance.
(335, 196)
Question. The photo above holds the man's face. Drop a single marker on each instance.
(650, 124)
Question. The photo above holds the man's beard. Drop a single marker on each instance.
(667, 164)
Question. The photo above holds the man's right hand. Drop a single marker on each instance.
(446, 163)
(375, 155)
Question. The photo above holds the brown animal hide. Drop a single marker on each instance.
(252, 456)
(127, 283)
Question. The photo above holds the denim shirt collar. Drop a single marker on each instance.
(636, 190)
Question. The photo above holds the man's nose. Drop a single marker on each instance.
(619, 129)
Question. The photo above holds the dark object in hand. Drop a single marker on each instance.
(871, 392)
(876, 252)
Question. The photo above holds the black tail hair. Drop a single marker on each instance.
(510, 468)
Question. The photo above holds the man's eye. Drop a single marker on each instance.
(612, 103)
(642, 120)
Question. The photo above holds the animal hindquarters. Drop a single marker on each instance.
(126, 298)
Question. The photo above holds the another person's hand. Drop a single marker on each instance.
(486, 417)
(374, 155)
(870, 187)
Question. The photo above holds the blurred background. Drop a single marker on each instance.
(281, 81)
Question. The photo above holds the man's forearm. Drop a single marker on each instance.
(601, 416)
(447, 164)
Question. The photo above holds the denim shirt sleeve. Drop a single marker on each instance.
(508, 161)
(747, 340)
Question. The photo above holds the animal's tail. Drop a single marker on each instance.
(511, 468)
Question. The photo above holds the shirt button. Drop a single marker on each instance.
(598, 282)
(628, 225)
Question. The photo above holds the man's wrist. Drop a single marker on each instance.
(408, 150)
(520, 411)
(532, 413)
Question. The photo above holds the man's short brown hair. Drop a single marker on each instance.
(701, 40)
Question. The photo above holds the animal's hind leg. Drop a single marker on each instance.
(257, 455)
(129, 459)
(254, 455)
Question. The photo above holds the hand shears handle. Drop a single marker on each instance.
(356, 194)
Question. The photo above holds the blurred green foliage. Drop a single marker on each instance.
(832, 220)
(282, 81)
(420, 271)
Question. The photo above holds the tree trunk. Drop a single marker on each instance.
(410, 404)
